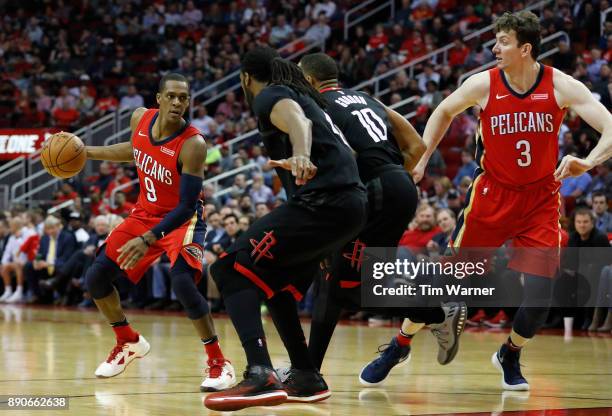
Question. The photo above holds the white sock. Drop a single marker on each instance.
(8, 291)
(19, 289)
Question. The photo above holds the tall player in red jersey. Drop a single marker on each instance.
(170, 155)
(515, 193)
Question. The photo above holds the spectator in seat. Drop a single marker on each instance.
(458, 54)
(416, 239)
(43, 101)
(328, 8)
(379, 39)
(586, 235)
(106, 103)
(260, 192)
(602, 181)
(281, 32)
(216, 238)
(65, 116)
(119, 178)
(246, 205)
(226, 106)
(454, 201)
(202, 120)
(467, 168)
(446, 221)
(132, 100)
(75, 226)
(319, 32)
(122, 206)
(261, 209)
(13, 260)
(64, 97)
(67, 280)
(244, 223)
(191, 15)
(56, 247)
(86, 102)
(575, 186)
(427, 75)
(603, 218)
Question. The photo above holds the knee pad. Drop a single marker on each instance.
(100, 276)
(182, 278)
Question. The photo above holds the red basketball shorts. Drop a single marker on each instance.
(187, 240)
(529, 217)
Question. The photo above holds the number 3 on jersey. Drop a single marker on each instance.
(374, 125)
(151, 194)
(525, 159)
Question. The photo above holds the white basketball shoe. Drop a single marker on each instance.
(220, 375)
(121, 355)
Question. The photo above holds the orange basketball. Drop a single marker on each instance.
(63, 155)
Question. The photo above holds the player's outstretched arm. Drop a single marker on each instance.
(289, 118)
(408, 139)
(472, 92)
(120, 152)
(574, 94)
(192, 159)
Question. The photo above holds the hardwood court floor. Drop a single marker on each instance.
(55, 351)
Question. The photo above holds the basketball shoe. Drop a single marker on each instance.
(305, 386)
(121, 355)
(448, 332)
(507, 362)
(377, 370)
(498, 321)
(477, 319)
(260, 387)
(220, 375)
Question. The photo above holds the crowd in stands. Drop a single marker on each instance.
(71, 65)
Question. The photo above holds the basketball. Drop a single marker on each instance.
(63, 155)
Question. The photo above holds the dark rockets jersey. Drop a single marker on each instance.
(365, 124)
(336, 167)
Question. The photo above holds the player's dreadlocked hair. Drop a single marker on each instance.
(265, 65)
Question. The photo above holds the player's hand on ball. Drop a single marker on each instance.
(300, 166)
(131, 252)
(572, 166)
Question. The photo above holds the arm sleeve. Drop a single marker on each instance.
(189, 192)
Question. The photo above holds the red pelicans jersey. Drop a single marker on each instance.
(157, 163)
(518, 143)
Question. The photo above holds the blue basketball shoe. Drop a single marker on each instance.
(507, 362)
(377, 370)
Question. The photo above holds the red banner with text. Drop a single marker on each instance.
(22, 142)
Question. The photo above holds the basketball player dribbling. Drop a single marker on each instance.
(515, 193)
(170, 155)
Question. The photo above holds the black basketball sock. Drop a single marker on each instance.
(244, 309)
(283, 310)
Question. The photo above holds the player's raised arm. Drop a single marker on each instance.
(575, 95)
(408, 139)
(120, 152)
(289, 118)
(474, 91)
